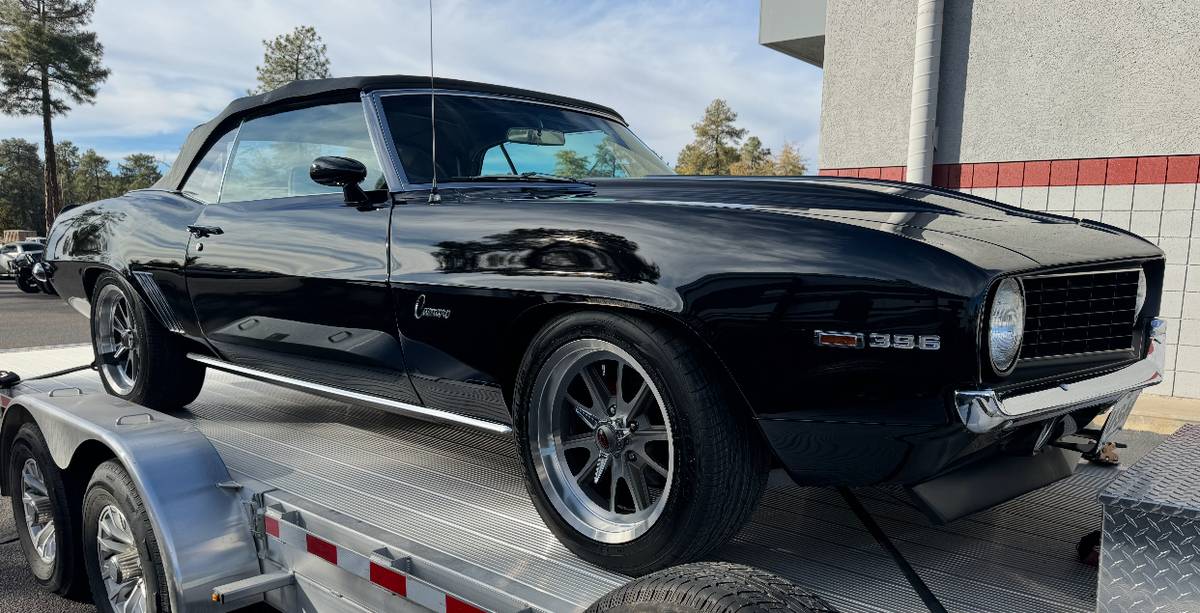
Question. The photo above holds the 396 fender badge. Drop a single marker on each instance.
(875, 340)
(420, 311)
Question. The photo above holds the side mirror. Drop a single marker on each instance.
(346, 173)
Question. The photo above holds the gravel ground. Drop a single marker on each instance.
(35, 320)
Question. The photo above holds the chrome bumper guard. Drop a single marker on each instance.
(983, 410)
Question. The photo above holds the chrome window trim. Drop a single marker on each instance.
(237, 136)
(224, 168)
(381, 142)
(380, 123)
(237, 139)
(347, 395)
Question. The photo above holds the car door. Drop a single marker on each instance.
(284, 277)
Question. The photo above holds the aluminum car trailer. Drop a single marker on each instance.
(259, 493)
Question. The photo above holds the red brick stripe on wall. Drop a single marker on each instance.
(1041, 173)
(1121, 171)
(1092, 172)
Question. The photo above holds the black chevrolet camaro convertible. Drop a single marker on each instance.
(655, 343)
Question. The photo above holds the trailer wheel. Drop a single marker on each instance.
(139, 360)
(42, 511)
(124, 564)
(635, 454)
(710, 587)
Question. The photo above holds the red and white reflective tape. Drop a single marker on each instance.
(4, 401)
(376, 568)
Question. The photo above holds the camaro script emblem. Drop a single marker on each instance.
(421, 311)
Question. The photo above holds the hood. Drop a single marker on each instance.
(1045, 240)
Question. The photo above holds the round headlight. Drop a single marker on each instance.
(1141, 294)
(1006, 325)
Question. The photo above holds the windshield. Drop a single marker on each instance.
(491, 137)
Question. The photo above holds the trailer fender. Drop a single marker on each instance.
(203, 529)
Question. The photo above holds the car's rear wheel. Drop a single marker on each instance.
(138, 359)
(635, 453)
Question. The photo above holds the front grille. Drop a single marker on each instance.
(1079, 313)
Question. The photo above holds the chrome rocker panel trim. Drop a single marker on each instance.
(984, 410)
(386, 404)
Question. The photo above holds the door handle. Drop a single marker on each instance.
(204, 231)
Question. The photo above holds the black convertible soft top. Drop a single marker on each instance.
(299, 91)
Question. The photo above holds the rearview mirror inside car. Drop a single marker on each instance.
(537, 136)
(343, 172)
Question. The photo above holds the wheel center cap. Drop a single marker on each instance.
(606, 438)
(114, 569)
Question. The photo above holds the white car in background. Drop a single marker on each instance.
(10, 252)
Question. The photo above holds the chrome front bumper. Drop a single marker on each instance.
(984, 411)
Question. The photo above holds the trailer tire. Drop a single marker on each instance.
(716, 465)
(63, 572)
(710, 587)
(112, 499)
(165, 378)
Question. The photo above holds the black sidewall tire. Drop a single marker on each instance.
(26, 283)
(167, 379)
(685, 518)
(714, 587)
(111, 485)
(65, 575)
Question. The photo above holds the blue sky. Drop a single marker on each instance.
(177, 63)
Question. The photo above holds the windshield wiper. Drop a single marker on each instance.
(531, 177)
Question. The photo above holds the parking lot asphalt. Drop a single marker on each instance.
(37, 320)
(31, 320)
(18, 590)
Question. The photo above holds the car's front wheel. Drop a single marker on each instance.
(635, 453)
(138, 359)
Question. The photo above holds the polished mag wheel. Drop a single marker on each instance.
(117, 340)
(601, 441)
(39, 516)
(120, 563)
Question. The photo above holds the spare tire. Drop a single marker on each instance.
(711, 587)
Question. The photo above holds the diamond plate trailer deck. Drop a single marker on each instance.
(358, 488)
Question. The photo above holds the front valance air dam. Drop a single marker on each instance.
(984, 410)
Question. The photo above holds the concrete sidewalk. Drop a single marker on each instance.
(1163, 414)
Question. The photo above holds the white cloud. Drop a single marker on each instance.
(176, 64)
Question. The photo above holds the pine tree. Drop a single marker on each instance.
(137, 171)
(568, 163)
(715, 149)
(68, 166)
(789, 162)
(753, 159)
(48, 60)
(20, 185)
(93, 181)
(299, 54)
